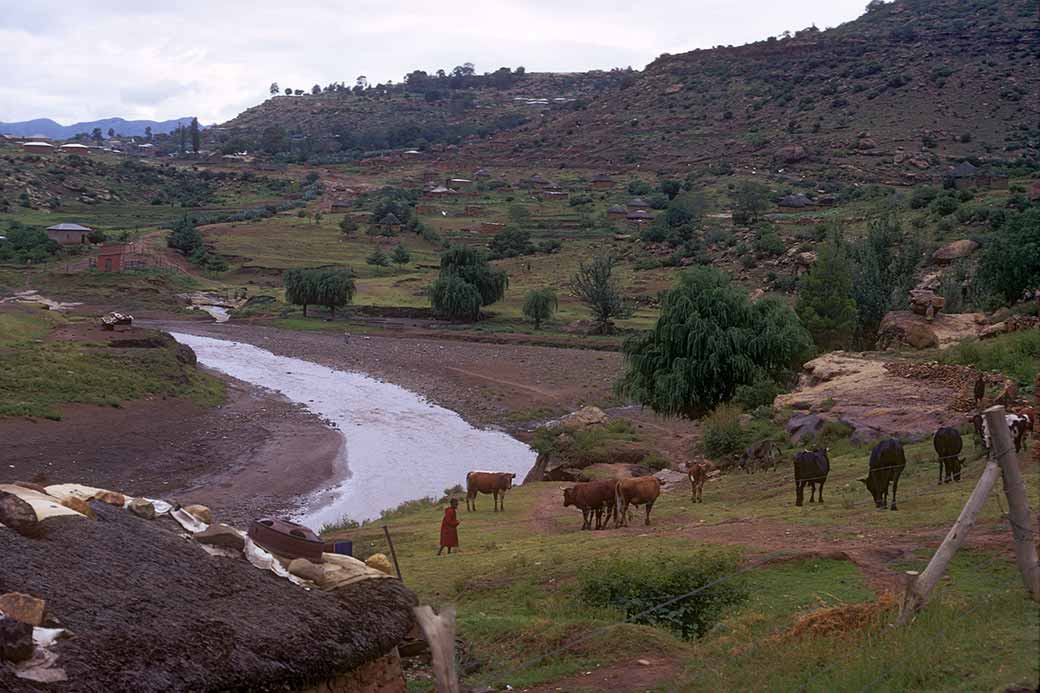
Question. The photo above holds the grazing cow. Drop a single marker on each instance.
(592, 497)
(698, 474)
(763, 454)
(948, 445)
(495, 483)
(810, 467)
(639, 491)
(887, 462)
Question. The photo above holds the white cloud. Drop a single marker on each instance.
(76, 60)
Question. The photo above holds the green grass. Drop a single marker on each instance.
(515, 587)
(1016, 355)
(39, 377)
(19, 324)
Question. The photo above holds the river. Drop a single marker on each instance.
(399, 446)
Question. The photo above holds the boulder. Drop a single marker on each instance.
(585, 417)
(899, 328)
(790, 154)
(22, 607)
(796, 201)
(201, 512)
(111, 497)
(993, 330)
(926, 302)
(19, 515)
(16, 643)
(221, 535)
(380, 562)
(803, 426)
(954, 251)
(302, 568)
(79, 505)
(142, 508)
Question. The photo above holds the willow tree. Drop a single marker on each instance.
(540, 305)
(324, 287)
(461, 265)
(709, 339)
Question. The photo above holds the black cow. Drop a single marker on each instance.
(810, 467)
(887, 462)
(948, 445)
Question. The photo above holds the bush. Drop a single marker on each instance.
(655, 462)
(378, 257)
(768, 242)
(1016, 355)
(640, 584)
(639, 187)
(540, 305)
(511, 243)
(1010, 264)
(760, 393)
(722, 433)
(400, 254)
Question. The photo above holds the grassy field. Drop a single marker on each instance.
(517, 586)
(39, 376)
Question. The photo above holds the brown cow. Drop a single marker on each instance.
(591, 498)
(698, 474)
(488, 482)
(638, 491)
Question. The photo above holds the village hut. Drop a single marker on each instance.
(638, 203)
(111, 258)
(151, 611)
(638, 217)
(964, 175)
(795, 201)
(69, 234)
(602, 181)
(481, 173)
(536, 181)
(37, 147)
(74, 148)
(390, 223)
(616, 210)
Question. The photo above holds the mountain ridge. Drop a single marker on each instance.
(45, 127)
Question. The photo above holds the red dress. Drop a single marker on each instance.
(449, 533)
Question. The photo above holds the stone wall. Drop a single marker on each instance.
(383, 675)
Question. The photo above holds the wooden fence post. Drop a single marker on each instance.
(439, 631)
(921, 586)
(1018, 502)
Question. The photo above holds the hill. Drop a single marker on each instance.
(45, 127)
(419, 111)
(887, 96)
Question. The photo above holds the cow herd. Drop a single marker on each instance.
(606, 500)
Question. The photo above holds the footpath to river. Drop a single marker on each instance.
(398, 446)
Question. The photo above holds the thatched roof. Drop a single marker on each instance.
(638, 202)
(152, 611)
(965, 169)
(390, 220)
(615, 209)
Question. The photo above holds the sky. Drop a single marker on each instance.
(79, 60)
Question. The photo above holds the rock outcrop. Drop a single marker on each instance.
(901, 328)
(957, 250)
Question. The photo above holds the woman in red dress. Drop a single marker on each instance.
(449, 528)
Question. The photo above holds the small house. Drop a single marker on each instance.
(616, 210)
(69, 234)
(74, 148)
(602, 181)
(638, 203)
(639, 217)
(481, 173)
(390, 223)
(110, 258)
(536, 181)
(37, 147)
(342, 206)
(966, 175)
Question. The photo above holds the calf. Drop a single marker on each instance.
(887, 462)
(592, 497)
(810, 467)
(764, 453)
(495, 483)
(643, 490)
(698, 474)
(948, 445)
(1019, 425)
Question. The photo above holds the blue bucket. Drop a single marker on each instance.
(345, 548)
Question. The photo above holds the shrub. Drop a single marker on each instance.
(1016, 355)
(595, 286)
(759, 393)
(639, 187)
(824, 302)
(654, 461)
(638, 585)
(722, 433)
(511, 243)
(378, 257)
(1010, 264)
(400, 254)
(768, 242)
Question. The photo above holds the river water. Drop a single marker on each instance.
(399, 446)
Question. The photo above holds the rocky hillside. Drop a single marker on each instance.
(890, 96)
(409, 115)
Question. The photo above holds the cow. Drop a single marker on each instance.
(948, 445)
(592, 497)
(980, 390)
(764, 453)
(495, 483)
(639, 491)
(887, 462)
(1019, 425)
(810, 467)
(698, 474)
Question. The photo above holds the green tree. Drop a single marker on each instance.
(470, 267)
(378, 257)
(400, 254)
(300, 288)
(347, 225)
(709, 340)
(454, 298)
(750, 201)
(1010, 263)
(148, 133)
(185, 237)
(686, 209)
(883, 265)
(272, 139)
(96, 135)
(196, 135)
(540, 305)
(825, 304)
(511, 243)
(594, 285)
(334, 289)
(670, 187)
(274, 88)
